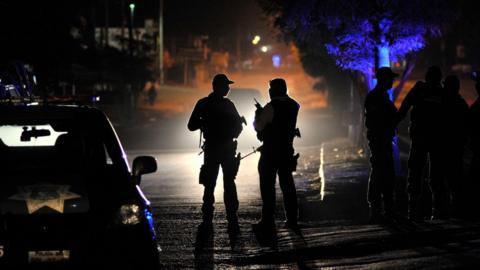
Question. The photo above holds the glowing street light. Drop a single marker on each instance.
(130, 29)
(256, 40)
(264, 49)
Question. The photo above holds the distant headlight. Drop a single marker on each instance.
(129, 214)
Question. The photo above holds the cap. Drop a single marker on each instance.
(221, 79)
(385, 72)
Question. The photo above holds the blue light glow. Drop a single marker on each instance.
(276, 60)
(384, 56)
(354, 48)
(149, 217)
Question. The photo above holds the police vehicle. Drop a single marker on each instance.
(68, 197)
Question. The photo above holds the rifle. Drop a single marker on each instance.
(258, 149)
(257, 104)
(200, 145)
(297, 133)
(243, 120)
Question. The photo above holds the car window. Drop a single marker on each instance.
(53, 148)
(33, 135)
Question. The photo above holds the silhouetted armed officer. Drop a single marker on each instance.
(425, 99)
(221, 124)
(454, 134)
(474, 127)
(380, 121)
(275, 125)
(474, 171)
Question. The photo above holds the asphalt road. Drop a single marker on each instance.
(176, 199)
(332, 204)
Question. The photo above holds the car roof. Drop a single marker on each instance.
(244, 91)
(21, 112)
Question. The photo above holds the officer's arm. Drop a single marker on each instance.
(263, 118)
(195, 122)
(408, 102)
(464, 120)
(238, 122)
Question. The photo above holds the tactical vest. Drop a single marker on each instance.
(426, 116)
(281, 131)
(222, 122)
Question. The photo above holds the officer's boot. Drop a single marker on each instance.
(265, 227)
(375, 215)
(206, 227)
(233, 226)
(415, 212)
(440, 206)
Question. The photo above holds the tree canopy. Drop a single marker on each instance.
(354, 32)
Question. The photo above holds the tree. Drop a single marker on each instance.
(362, 35)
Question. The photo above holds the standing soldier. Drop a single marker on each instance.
(276, 128)
(220, 123)
(426, 100)
(380, 121)
(474, 172)
(455, 116)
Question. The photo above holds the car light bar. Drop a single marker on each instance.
(34, 100)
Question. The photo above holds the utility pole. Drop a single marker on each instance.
(122, 9)
(106, 23)
(160, 44)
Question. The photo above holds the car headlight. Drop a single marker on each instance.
(129, 214)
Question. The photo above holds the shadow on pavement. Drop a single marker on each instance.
(204, 250)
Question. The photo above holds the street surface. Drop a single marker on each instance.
(176, 200)
(331, 182)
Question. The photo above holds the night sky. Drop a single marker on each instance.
(27, 27)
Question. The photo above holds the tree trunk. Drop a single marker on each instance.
(383, 53)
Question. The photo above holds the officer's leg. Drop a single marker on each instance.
(209, 180)
(267, 172)
(287, 186)
(438, 185)
(374, 182)
(452, 164)
(471, 207)
(474, 170)
(388, 178)
(416, 164)
(229, 189)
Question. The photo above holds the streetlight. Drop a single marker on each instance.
(264, 49)
(256, 40)
(130, 29)
(160, 43)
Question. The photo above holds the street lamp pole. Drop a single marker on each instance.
(160, 44)
(130, 29)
